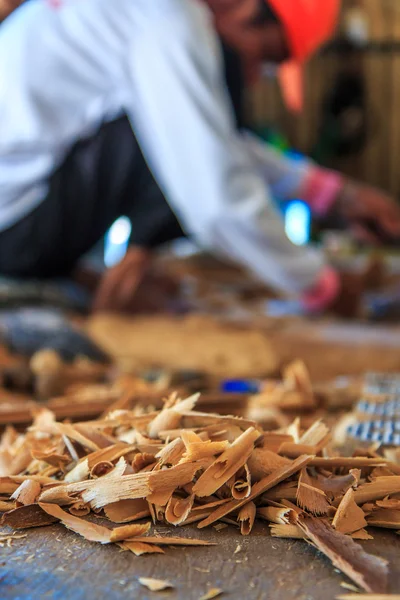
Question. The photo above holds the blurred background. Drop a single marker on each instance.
(351, 120)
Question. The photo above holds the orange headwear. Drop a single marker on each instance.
(308, 25)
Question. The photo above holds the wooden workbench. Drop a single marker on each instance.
(54, 563)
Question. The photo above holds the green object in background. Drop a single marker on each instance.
(273, 137)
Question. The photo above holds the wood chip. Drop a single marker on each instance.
(173, 541)
(155, 585)
(27, 493)
(367, 571)
(361, 534)
(287, 531)
(26, 517)
(119, 534)
(385, 518)
(213, 593)
(377, 489)
(310, 497)
(138, 548)
(276, 515)
(263, 462)
(349, 517)
(90, 531)
(125, 511)
(368, 597)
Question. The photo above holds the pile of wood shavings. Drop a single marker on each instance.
(179, 466)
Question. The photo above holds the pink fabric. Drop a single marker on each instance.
(320, 190)
(324, 293)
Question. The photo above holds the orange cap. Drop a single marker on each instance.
(308, 25)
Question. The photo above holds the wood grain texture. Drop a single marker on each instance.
(54, 563)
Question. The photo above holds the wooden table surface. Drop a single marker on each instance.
(57, 564)
(52, 563)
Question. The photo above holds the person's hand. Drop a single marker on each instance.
(135, 286)
(347, 303)
(7, 7)
(372, 215)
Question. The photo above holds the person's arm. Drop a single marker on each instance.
(295, 178)
(7, 7)
(371, 214)
(183, 120)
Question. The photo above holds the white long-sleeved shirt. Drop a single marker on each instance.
(68, 66)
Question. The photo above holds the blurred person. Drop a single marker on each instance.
(117, 106)
(7, 7)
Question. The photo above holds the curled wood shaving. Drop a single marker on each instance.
(79, 509)
(155, 585)
(259, 488)
(230, 461)
(110, 454)
(241, 487)
(178, 509)
(246, 518)
(367, 571)
(100, 469)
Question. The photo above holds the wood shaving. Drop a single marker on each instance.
(246, 518)
(367, 571)
(180, 466)
(213, 593)
(310, 497)
(369, 597)
(361, 534)
(155, 585)
(349, 517)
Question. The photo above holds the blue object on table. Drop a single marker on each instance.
(240, 386)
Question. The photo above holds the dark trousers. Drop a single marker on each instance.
(101, 179)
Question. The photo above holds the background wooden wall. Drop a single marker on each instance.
(379, 161)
